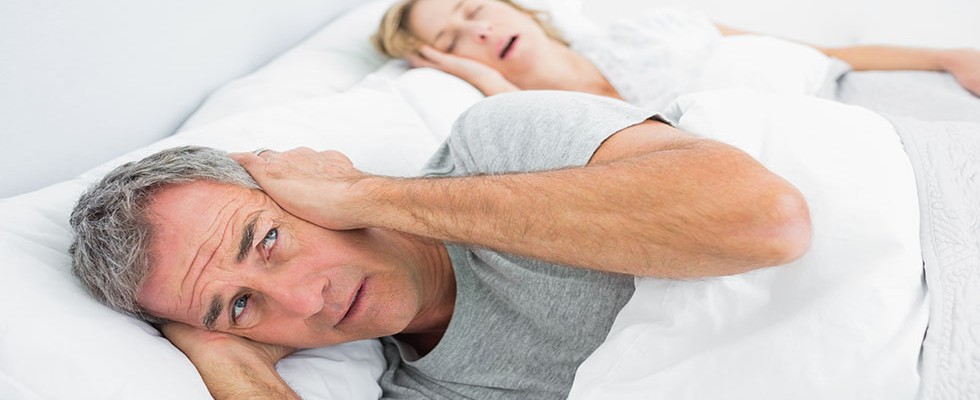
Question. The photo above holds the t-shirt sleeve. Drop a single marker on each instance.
(532, 131)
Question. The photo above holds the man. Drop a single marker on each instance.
(492, 277)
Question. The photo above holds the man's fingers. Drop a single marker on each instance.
(168, 329)
(245, 158)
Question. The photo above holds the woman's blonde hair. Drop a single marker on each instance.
(396, 40)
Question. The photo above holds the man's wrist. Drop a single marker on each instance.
(366, 200)
(221, 358)
(241, 375)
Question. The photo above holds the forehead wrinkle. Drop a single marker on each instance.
(216, 305)
(194, 264)
(214, 250)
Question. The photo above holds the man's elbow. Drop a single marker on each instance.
(786, 233)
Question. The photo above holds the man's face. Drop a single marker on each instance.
(230, 259)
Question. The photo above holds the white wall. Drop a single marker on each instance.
(82, 82)
(935, 23)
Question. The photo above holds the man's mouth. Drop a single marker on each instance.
(351, 308)
(508, 46)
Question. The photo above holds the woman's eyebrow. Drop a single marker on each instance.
(456, 7)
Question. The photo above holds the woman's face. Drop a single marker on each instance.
(488, 31)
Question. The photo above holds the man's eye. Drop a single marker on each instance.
(239, 307)
(270, 239)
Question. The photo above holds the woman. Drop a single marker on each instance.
(499, 46)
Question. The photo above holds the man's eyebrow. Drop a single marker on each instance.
(245, 245)
(213, 312)
(244, 248)
(456, 7)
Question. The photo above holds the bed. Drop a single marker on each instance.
(305, 75)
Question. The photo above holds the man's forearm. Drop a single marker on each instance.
(652, 201)
(240, 380)
(700, 211)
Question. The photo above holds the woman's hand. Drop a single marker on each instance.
(483, 77)
(964, 65)
(315, 186)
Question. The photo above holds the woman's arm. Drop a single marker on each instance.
(963, 64)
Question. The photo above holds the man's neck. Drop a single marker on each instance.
(438, 295)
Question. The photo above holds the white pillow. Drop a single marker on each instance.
(57, 343)
(332, 60)
(337, 57)
(564, 15)
(439, 98)
(768, 64)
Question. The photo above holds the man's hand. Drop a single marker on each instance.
(483, 77)
(232, 367)
(312, 185)
(964, 65)
(199, 343)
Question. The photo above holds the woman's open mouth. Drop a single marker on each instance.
(508, 46)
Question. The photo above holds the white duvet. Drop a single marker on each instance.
(844, 322)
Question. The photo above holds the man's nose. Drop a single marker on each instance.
(298, 296)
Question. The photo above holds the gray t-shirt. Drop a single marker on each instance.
(520, 327)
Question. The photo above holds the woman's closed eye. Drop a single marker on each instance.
(469, 15)
(452, 44)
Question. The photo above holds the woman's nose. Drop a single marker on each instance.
(480, 30)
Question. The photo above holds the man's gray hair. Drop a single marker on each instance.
(111, 249)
